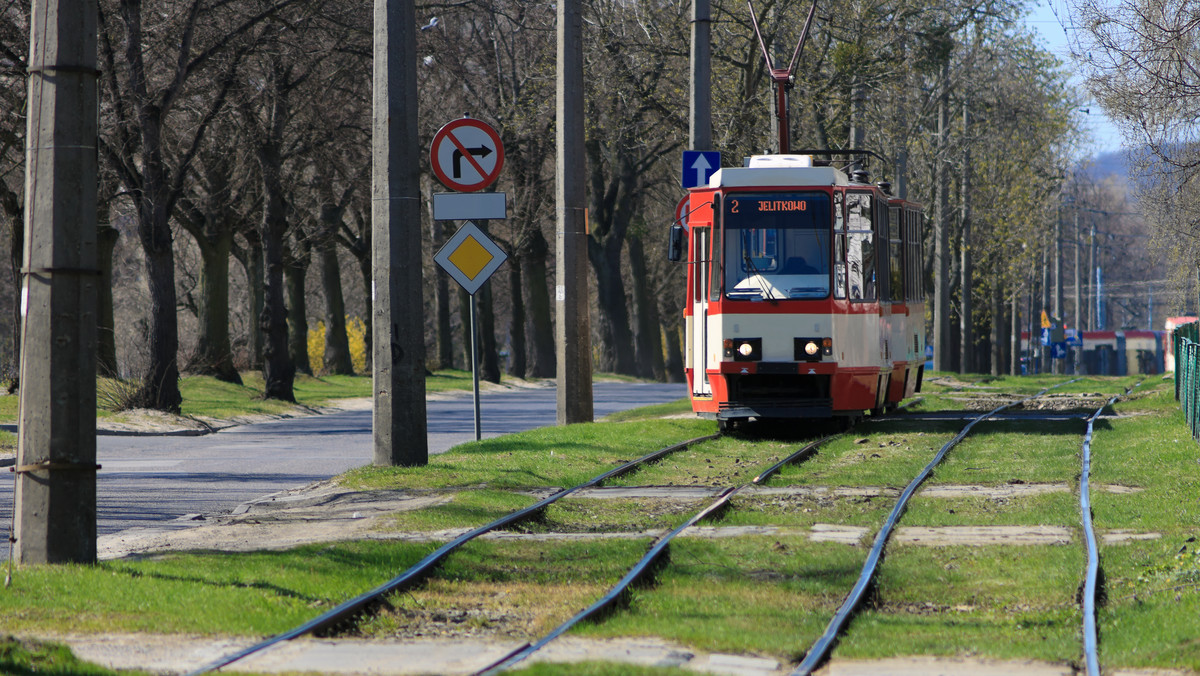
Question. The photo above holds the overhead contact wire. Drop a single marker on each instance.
(820, 650)
(417, 572)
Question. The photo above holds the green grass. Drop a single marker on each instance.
(521, 589)
(678, 407)
(587, 515)
(206, 593)
(464, 509)
(29, 658)
(550, 456)
(1003, 602)
(1000, 602)
(876, 454)
(758, 595)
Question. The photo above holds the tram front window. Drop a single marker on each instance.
(776, 245)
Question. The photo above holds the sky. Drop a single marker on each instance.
(1042, 19)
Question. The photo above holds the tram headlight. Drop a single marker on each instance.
(743, 349)
(813, 349)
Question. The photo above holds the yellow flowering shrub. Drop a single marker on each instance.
(356, 332)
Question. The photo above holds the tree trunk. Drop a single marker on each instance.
(278, 370)
(159, 388)
(674, 364)
(337, 343)
(517, 327)
(441, 303)
(363, 256)
(106, 337)
(489, 353)
(616, 338)
(14, 208)
(214, 351)
(464, 322)
(1014, 364)
(648, 336)
(255, 265)
(295, 277)
(998, 324)
(542, 358)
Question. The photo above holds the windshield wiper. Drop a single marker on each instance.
(764, 287)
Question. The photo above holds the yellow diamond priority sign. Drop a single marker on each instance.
(470, 257)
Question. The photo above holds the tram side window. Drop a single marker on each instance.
(839, 243)
(860, 247)
(839, 268)
(896, 255)
(882, 267)
(914, 290)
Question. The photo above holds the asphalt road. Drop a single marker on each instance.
(157, 480)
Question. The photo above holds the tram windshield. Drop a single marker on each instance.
(776, 245)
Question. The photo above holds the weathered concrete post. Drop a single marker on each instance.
(572, 332)
(700, 89)
(397, 311)
(56, 456)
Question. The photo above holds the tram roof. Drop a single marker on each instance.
(794, 177)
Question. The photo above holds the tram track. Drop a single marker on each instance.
(1091, 642)
(820, 650)
(653, 558)
(352, 608)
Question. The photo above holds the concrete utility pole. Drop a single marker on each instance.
(1093, 301)
(1045, 349)
(858, 130)
(942, 359)
(572, 331)
(1059, 364)
(700, 91)
(1078, 352)
(397, 311)
(966, 285)
(55, 506)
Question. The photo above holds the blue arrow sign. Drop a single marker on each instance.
(699, 166)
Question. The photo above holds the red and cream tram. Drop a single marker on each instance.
(804, 293)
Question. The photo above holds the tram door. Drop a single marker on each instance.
(702, 257)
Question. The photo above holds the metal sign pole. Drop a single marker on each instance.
(475, 369)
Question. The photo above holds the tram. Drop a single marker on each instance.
(804, 293)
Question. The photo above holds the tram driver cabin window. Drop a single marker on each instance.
(776, 245)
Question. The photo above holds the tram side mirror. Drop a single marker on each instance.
(675, 243)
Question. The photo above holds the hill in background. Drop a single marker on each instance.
(1115, 162)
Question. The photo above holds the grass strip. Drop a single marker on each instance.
(547, 457)
(19, 657)
(208, 593)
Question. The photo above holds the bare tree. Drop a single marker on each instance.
(148, 71)
(1141, 61)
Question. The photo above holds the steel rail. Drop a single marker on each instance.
(1090, 641)
(646, 563)
(418, 571)
(820, 650)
